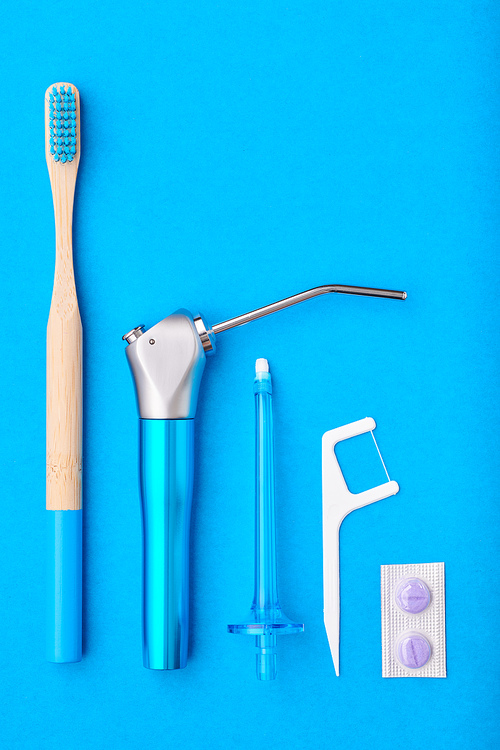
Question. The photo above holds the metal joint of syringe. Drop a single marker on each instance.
(295, 299)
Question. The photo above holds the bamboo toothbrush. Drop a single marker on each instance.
(64, 387)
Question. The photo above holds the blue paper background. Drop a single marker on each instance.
(233, 154)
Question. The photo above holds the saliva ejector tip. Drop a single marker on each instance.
(261, 365)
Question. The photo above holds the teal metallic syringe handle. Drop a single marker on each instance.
(166, 469)
(167, 363)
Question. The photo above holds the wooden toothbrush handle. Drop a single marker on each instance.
(64, 407)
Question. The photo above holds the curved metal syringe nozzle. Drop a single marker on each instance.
(362, 291)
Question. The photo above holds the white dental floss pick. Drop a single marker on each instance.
(338, 501)
(413, 620)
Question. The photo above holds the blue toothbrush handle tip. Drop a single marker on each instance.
(64, 586)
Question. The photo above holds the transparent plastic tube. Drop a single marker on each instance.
(266, 585)
(266, 619)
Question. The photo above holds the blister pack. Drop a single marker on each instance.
(413, 620)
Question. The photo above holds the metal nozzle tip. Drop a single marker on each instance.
(261, 365)
(405, 295)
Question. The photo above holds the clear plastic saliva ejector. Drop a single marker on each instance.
(266, 619)
(167, 363)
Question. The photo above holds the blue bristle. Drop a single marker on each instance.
(62, 124)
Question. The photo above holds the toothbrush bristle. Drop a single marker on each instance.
(63, 136)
